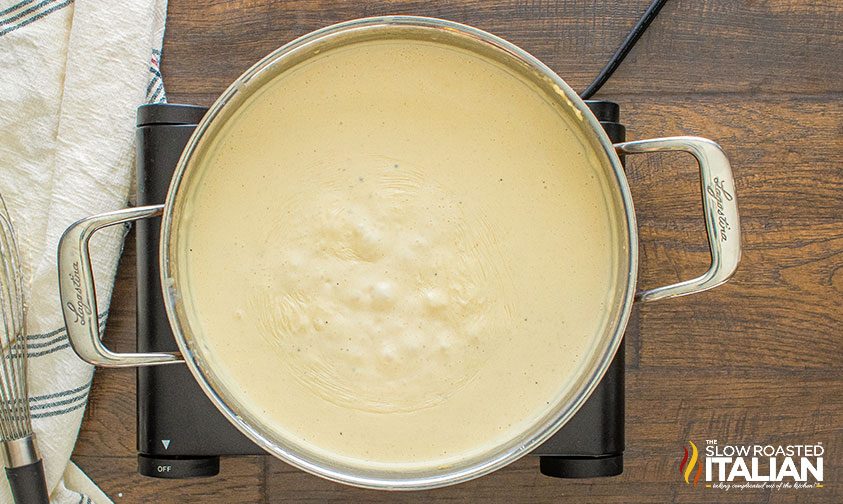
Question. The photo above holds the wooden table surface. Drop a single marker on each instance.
(758, 360)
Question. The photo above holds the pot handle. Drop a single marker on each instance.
(79, 298)
(719, 206)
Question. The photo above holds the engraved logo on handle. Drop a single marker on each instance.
(719, 193)
(80, 309)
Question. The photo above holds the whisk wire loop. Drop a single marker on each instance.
(15, 421)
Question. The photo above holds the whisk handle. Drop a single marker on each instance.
(28, 484)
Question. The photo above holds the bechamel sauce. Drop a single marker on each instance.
(398, 254)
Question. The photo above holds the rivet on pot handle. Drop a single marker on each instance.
(719, 205)
(79, 298)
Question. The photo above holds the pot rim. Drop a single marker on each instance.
(541, 432)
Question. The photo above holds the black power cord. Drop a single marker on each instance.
(616, 59)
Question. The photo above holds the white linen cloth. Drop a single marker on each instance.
(71, 78)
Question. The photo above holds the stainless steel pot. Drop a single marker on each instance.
(78, 296)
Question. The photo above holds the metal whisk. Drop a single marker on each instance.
(24, 468)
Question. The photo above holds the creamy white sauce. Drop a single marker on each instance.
(398, 253)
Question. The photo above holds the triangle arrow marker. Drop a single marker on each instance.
(166, 443)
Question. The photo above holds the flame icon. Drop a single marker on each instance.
(686, 470)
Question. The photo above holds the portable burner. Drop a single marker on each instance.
(182, 435)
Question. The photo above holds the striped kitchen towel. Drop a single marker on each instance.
(71, 77)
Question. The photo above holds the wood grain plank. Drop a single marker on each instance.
(701, 46)
(242, 482)
(109, 426)
(784, 153)
(781, 311)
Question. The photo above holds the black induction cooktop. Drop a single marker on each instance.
(182, 435)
